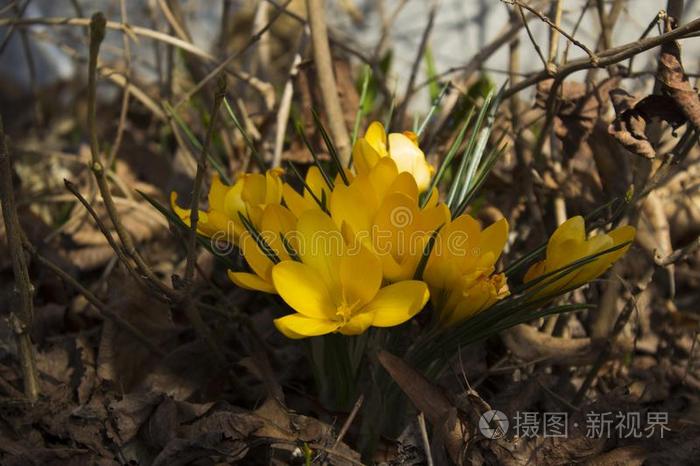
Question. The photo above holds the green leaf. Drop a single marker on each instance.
(331, 147)
(192, 139)
(433, 107)
(317, 162)
(246, 137)
(366, 76)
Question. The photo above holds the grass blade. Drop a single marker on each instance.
(246, 137)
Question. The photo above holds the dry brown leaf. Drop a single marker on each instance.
(629, 128)
(676, 83)
(577, 107)
(431, 402)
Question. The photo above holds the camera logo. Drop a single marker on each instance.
(493, 424)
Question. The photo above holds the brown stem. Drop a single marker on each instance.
(97, 33)
(101, 307)
(326, 79)
(607, 57)
(20, 321)
(187, 302)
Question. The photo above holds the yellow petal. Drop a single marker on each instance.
(277, 220)
(296, 203)
(254, 189)
(364, 157)
(255, 257)
(493, 240)
(217, 194)
(250, 281)
(567, 234)
(397, 303)
(298, 326)
(434, 198)
(315, 181)
(405, 184)
(360, 276)
(303, 289)
(623, 234)
(273, 186)
(353, 205)
(376, 138)
(357, 324)
(535, 270)
(432, 218)
(233, 201)
(394, 225)
(382, 177)
(184, 214)
(409, 158)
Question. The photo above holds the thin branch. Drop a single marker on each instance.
(554, 34)
(187, 302)
(286, 101)
(324, 70)
(222, 66)
(125, 96)
(101, 307)
(529, 34)
(20, 320)
(401, 112)
(554, 26)
(348, 422)
(608, 57)
(425, 439)
(97, 33)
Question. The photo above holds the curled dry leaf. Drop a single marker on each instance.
(676, 84)
(633, 116)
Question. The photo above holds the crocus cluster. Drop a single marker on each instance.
(371, 246)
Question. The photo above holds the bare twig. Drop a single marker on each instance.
(286, 101)
(324, 69)
(401, 112)
(187, 302)
(97, 33)
(222, 66)
(554, 26)
(20, 320)
(554, 34)
(125, 96)
(101, 307)
(348, 421)
(425, 439)
(607, 57)
(605, 352)
(529, 34)
(678, 254)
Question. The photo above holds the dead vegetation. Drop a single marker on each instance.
(124, 343)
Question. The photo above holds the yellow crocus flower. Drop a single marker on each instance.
(400, 147)
(249, 195)
(299, 203)
(568, 244)
(338, 289)
(460, 270)
(213, 219)
(380, 210)
(276, 221)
